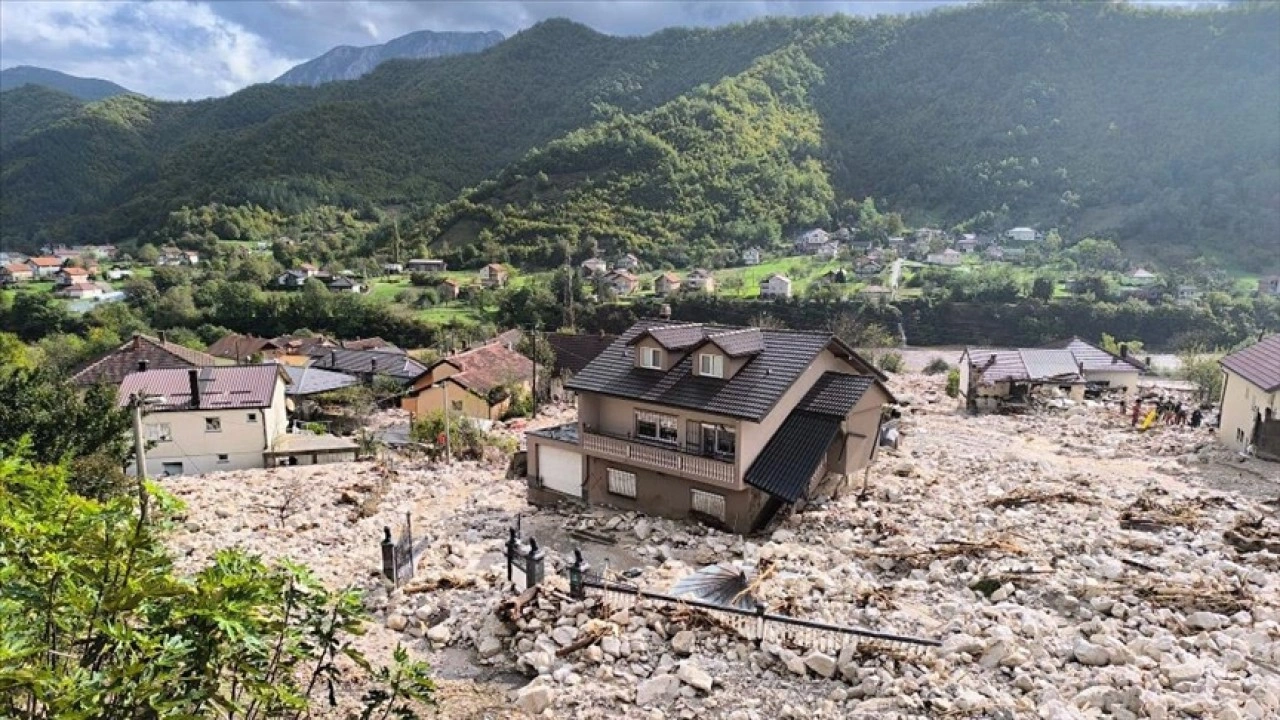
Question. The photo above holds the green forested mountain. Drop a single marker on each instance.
(1156, 127)
(32, 107)
(78, 87)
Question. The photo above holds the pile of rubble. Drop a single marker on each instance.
(1070, 566)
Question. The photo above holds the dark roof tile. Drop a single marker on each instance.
(736, 343)
(791, 457)
(229, 387)
(1259, 363)
(573, 352)
(158, 354)
(835, 394)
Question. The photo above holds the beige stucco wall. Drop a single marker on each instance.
(1241, 401)
(669, 357)
(243, 442)
(731, 365)
(432, 399)
(1127, 379)
(617, 416)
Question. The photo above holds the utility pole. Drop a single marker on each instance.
(534, 339)
(139, 453)
(448, 436)
(395, 239)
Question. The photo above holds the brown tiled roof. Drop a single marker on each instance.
(673, 337)
(1259, 363)
(73, 271)
(736, 343)
(373, 343)
(17, 268)
(220, 388)
(115, 365)
(237, 347)
(573, 352)
(490, 366)
(45, 261)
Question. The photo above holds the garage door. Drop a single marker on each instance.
(560, 470)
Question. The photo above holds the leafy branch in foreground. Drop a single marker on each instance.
(95, 621)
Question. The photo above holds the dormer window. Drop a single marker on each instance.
(711, 365)
(651, 358)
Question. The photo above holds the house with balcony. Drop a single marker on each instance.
(775, 286)
(730, 425)
(699, 280)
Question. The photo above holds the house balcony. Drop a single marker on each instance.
(664, 458)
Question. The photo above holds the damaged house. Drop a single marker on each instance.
(725, 424)
(1003, 380)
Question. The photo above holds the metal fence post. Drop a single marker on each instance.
(577, 590)
(759, 624)
(513, 547)
(533, 566)
(388, 555)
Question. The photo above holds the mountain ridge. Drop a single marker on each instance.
(347, 62)
(88, 89)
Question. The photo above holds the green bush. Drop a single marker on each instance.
(936, 366)
(891, 362)
(953, 383)
(466, 440)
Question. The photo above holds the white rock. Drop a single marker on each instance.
(1183, 672)
(564, 635)
(1207, 620)
(439, 635)
(533, 699)
(684, 642)
(395, 621)
(658, 689)
(692, 675)
(821, 663)
(488, 646)
(792, 661)
(611, 646)
(1086, 653)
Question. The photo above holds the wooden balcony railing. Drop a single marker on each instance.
(665, 460)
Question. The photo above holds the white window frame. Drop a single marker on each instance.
(160, 432)
(213, 424)
(651, 358)
(706, 503)
(622, 483)
(251, 417)
(711, 365)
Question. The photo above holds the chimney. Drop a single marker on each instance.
(664, 312)
(1124, 350)
(137, 341)
(142, 366)
(193, 377)
(164, 337)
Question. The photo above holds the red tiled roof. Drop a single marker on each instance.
(45, 261)
(490, 366)
(228, 387)
(1259, 363)
(17, 268)
(115, 365)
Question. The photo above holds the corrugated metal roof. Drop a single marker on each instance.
(1049, 363)
(361, 362)
(995, 365)
(1259, 363)
(220, 388)
(787, 463)
(1094, 358)
(307, 380)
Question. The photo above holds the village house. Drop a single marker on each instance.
(209, 419)
(810, 242)
(425, 265)
(775, 286)
(725, 424)
(477, 383)
(174, 256)
(493, 275)
(1101, 368)
(1269, 285)
(867, 268)
(699, 280)
(245, 348)
(876, 294)
(967, 243)
(392, 268)
(367, 365)
(80, 291)
(895, 242)
(16, 273)
(1021, 235)
(43, 267)
(666, 283)
(119, 273)
(138, 353)
(1140, 277)
(343, 283)
(621, 282)
(593, 267)
(828, 251)
(1188, 294)
(993, 252)
(947, 258)
(627, 262)
(1250, 409)
(449, 289)
(307, 380)
(68, 276)
(1004, 379)
(751, 256)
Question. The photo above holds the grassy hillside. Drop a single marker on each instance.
(1154, 127)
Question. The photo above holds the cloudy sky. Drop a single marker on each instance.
(179, 50)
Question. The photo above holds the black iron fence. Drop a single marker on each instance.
(526, 562)
(755, 625)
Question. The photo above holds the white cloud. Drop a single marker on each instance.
(171, 50)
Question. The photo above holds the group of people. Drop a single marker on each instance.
(1168, 410)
